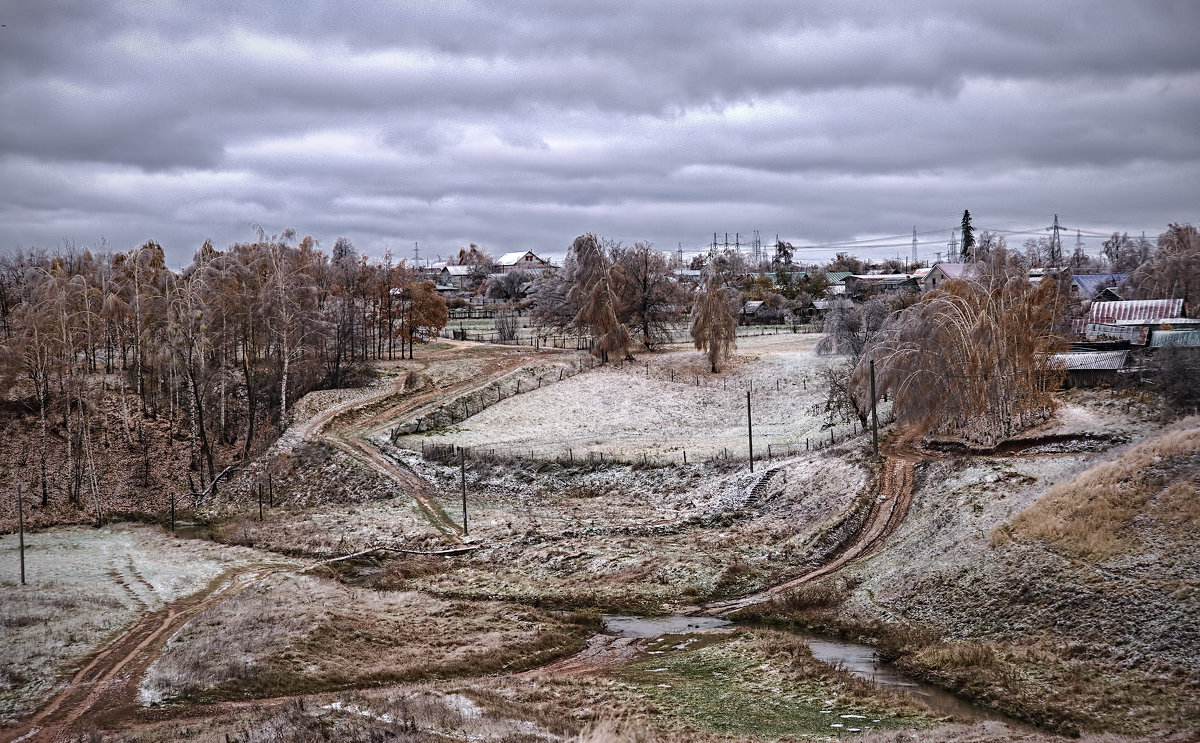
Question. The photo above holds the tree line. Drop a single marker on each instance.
(217, 352)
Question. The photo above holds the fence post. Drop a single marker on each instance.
(462, 468)
(21, 529)
(750, 430)
(874, 417)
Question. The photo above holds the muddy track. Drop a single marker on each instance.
(335, 425)
(887, 512)
(105, 690)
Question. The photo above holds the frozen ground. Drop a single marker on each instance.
(83, 587)
(661, 405)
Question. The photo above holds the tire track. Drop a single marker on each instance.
(105, 690)
(887, 512)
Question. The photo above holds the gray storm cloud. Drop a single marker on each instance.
(519, 128)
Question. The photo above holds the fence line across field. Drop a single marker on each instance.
(765, 451)
(579, 342)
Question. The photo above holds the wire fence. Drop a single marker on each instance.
(539, 338)
(764, 450)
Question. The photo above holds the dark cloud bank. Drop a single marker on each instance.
(520, 128)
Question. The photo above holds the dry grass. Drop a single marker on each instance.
(1067, 695)
(302, 634)
(1094, 514)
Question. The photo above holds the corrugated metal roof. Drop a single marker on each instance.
(836, 277)
(460, 270)
(752, 306)
(885, 277)
(1133, 333)
(1092, 360)
(1187, 338)
(1137, 309)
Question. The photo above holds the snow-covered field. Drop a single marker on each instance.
(662, 405)
(84, 586)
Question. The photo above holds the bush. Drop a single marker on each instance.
(1177, 370)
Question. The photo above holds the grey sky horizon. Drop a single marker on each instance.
(834, 126)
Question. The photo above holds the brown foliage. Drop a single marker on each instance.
(714, 322)
(972, 361)
(596, 291)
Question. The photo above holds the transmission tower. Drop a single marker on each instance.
(914, 255)
(416, 254)
(1055, 243)
(953, 247)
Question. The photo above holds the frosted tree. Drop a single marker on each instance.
(973, 361)
(714, 321)
(596, 292)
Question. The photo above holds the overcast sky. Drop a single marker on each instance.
(451, 122)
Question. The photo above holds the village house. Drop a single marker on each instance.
(1087, 286)
(458, 277)
(1135, 320)
(1091, 368)
(524, 260)
(859, 286)
(943, 272)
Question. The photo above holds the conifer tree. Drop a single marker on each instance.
(968, 236)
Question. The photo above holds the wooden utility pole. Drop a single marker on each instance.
(874, 417)
(750, 430)
(21, 530)
(462, 468)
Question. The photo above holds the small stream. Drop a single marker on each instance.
(853, 657)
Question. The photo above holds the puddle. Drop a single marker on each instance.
(192, 530)
(862, 662)
(853, 657)
(623, 626)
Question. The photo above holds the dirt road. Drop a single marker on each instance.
(350, 425)
(105, 690)
(887, 512)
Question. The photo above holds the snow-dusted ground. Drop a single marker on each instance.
(662, 405)
(83, 587)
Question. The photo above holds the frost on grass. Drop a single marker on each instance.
(632, 539)
(661, 405)
(84, 587)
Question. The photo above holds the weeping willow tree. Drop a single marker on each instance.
(596, 293)
(714, 321)
(973, 362)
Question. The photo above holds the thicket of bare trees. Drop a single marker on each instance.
(1173, 272)
(849, 330)
(114, 351)
(972, 361)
